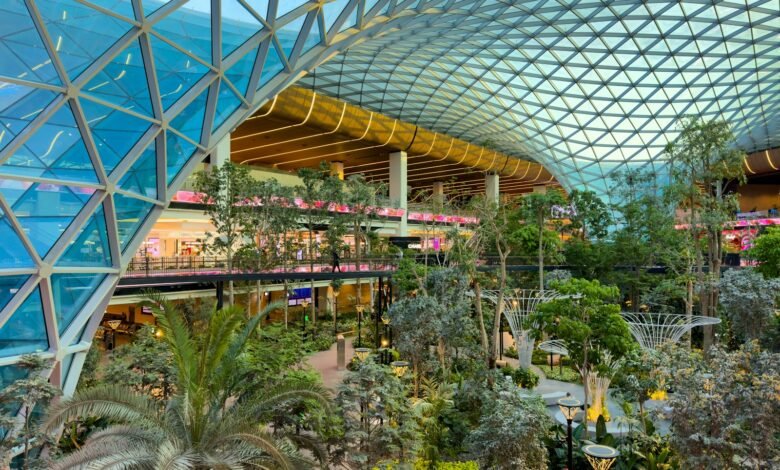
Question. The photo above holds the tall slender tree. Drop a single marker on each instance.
(225, 193)
(704, 161)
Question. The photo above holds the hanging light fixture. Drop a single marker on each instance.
(399, 368)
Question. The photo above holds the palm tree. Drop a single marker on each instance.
(206, 424)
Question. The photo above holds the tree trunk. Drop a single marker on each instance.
(541, 255)
(481, 319)
(231, 293)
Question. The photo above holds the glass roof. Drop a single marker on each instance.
(583, 88)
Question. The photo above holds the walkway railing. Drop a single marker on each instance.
(205, 265)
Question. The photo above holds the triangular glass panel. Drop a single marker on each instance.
(71, 292)
(351, 21)
(332, 11)
(150, 6)
(91, 246)
(238, 25)
(80, 34)
(19, 105)
(176, 72)
(56, 150)
(113, 131)
(24, 55)
(314, 38)
(289, 33)
(241, 71)
(287, 6)
(227, 103)
(25, 331)
(272, 66)
(189, 26)
(44, 211)
(130, 214)
(179, 152)
(260, 7)
(123, 82)
(141, 178)
(12, 251)
(190, 120)
(120, 7)
(9, 286)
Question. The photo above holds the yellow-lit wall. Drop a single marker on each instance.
(759, 197)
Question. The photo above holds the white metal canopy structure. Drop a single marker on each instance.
(106, 106)
(652, 329)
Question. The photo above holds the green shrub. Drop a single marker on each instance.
(511, 351)
(540, 358)
(567, 374)
(525, 378)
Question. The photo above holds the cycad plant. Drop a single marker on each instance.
(206, 423)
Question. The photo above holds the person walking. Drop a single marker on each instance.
(336, 261)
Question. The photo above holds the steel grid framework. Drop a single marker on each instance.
(106, 106)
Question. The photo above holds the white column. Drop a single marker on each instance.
(540, 188)
(398, 187)
(337, 169)
(221, 153)
(491, 187)
(438, 192)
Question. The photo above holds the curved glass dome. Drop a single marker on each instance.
(582, 87)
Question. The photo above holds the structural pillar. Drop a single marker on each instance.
(221, 153)
(438, 193)
(398, 187)
(337, 169)
(491, 187)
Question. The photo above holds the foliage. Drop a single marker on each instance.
(766, 251)
(379, 424)
(225, 192)
(19, 403)
(728, 420)
(535, 210)
(206, 423)
(565, 374)
(641, 373)
(144, 365)
(431, 410)
(703, 159)
(587, 321)
(511, 430)
(748, 302)
(590, 216)
(524, 378)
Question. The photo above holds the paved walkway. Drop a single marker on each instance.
(324, 362)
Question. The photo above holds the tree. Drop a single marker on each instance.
(590, 217)
(226, 193)
(379, 424)
(145, 365)
(511, 431)
(206, 423)
(748, 301)
(492, 235)
(725, 410)
(536, 209)
(19, 402)
(703, 159)
(589, 323)
(766, 251)
(318, 189)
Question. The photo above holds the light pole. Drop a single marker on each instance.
(305, 305)
(600, 457)
(336, 292)
(569, 407)
(359, 309)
